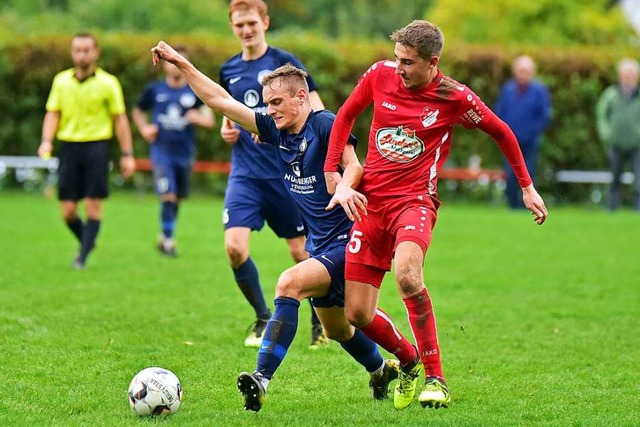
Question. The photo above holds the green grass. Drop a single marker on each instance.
(538, 325)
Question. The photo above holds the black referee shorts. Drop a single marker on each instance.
(83, 171)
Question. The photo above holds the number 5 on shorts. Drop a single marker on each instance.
(355, 243)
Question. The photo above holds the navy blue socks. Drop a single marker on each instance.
(278, 336)
(247, 279)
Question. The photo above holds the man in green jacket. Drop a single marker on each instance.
(618, 123)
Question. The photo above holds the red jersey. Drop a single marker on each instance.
(411, 131)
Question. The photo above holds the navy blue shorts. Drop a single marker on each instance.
(250, 202)
(171, 176)
(333, 260)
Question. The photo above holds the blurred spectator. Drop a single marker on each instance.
(524, 104)
(618, 124)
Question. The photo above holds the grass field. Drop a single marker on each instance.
(538, 325)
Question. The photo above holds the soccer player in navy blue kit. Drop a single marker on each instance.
(175, 111)
(301, 137)
(254, 193)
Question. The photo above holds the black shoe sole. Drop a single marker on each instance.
(252, 392)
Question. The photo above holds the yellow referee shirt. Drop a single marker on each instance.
(86, 108)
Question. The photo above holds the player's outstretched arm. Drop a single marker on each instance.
(352, 201)
(535, 204)
(210, 92)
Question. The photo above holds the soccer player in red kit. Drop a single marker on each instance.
(415, 110)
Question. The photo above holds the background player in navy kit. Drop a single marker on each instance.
(254, 194)
(175, 110)
(301, 138)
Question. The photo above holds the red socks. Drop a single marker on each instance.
(423, 326)
(384, 333)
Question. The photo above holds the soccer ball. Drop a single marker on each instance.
(155, 391)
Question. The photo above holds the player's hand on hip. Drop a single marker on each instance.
(351, 201)
(332, 179)
(127, 166)
(535, 204)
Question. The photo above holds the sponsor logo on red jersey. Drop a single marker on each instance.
(400, 145)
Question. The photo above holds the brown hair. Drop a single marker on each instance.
(86, 36)
(246, 5)
(423, 36)
(291, 77)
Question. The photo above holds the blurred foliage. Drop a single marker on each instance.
(576, 45)
(336, 18)
(576, 77)
(504, 22)
(542, 22)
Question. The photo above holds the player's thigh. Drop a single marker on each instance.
(96, 169)
(309, 278)
(242, 205)
(333, 259)
(335, 323)
(370, 243)
(413, 222)
(280, 211)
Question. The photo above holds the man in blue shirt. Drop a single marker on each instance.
(524, 104)
(254, 193)
(175, 111)
(301, 138)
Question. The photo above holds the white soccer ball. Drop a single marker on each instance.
(155, 391)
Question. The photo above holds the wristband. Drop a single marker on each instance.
(127, 153)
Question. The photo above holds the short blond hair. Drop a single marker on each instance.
(290, 77)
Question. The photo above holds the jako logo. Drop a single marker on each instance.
(391, 107)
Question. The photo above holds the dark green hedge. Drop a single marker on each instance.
(576, 78)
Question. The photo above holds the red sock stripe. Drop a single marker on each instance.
(383, 332)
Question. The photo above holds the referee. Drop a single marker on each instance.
(84, 106)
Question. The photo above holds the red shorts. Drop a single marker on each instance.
(375, 238)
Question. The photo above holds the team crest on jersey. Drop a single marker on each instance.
(399, 144)
(251, 98)
(429, 116)
(187, 100)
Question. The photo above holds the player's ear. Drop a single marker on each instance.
(433, 61)
(302, 96)
(266, 21)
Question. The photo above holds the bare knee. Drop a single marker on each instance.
(339, 333)
(237, 252)
(289, 286)
(409, 281)
(359, 316)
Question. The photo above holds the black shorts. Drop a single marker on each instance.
(83, 171)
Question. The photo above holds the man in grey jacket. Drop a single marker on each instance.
(618, 124)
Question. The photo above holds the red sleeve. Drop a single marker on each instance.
(506, 140)
(359, 99)
(473, 113)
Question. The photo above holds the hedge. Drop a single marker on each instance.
(576, 77)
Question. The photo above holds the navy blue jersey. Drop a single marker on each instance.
(242, 79)
(300, 163)
(176, 137)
